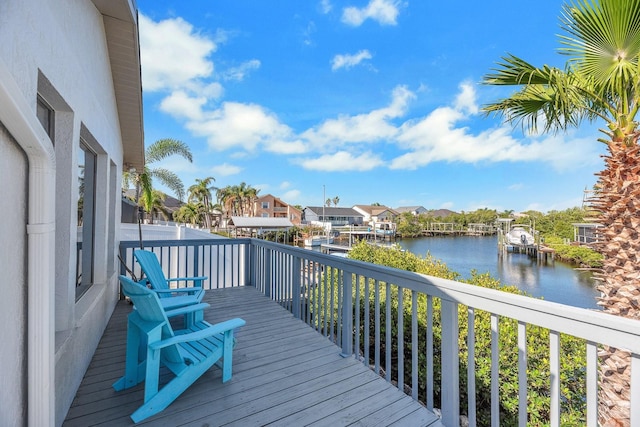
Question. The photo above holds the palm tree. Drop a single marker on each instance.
(238, 199)
(153, 203)
(600, 82)
(336, 200)
(191, 213)
(201, 192)
(159, 150)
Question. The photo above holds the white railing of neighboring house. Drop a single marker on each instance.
(324, 291)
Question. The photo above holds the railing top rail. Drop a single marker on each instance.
(183, 242)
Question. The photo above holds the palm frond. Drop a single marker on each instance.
(603, 42)
(163, 148)
(559, 99)
(170, 180)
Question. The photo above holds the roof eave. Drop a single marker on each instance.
(121, 30)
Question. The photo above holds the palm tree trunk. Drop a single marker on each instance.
(618, 201)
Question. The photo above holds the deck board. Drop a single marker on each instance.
(284, 373)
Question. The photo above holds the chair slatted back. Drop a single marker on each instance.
(152, 269)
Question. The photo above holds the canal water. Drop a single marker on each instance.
(553, 281)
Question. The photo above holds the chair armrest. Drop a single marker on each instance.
(198, 335)
(174, 290)
(186, 309)
(188, 279)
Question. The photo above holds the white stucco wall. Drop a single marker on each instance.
(62, 41)
(13, 168)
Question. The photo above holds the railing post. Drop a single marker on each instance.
(249, 267)
(267, 273)
(450, 364)
(347, 314)
(295, 287)
(196, 261)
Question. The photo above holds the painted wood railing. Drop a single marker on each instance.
(361, 307)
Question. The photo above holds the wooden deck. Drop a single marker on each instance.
(284, 373)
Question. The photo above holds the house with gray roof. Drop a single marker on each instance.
(414, 210)
(376, 213)
(334, 215)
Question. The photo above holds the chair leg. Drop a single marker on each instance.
(227, 356)
(135, 363)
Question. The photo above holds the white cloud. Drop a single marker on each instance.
(239, 125)
(516, 187)
(325, 6)
(447, 205)
(343, 161)
(347, 61)
(172, 54)
(439, 136)
(180, 105)
(238, 73)
(226, 169)
(363, 128)
(466, 99)
(284, 185)
(384, 12)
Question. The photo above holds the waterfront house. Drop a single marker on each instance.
(269, 206)
(586, 233)
(334, 215)
(71, 112)
(376, 213)
(414, 210)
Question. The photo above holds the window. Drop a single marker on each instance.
(265, 215)
(86, 218)
(46, 116)
(265, 205)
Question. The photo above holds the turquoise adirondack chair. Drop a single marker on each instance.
(152, 343)
(170, 298)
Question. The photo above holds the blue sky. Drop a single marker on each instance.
(372, 101)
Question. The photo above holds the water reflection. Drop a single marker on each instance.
(553, 281)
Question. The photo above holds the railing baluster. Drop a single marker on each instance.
(400, 339)
(414, 345)
(367, 320)
(471, 366)
(554, 365)
(332, 304)
(450, 363)
(296, 288)
(388, 327)
(267, 274)
(326, 295)
(592, 384)
(340, 291)
(429, 355)
(522, 374)
(377, 327)
(347, 314)
(495, 371)
(224, 265)
(356, 314)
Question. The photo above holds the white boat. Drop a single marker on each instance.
(518, 236)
